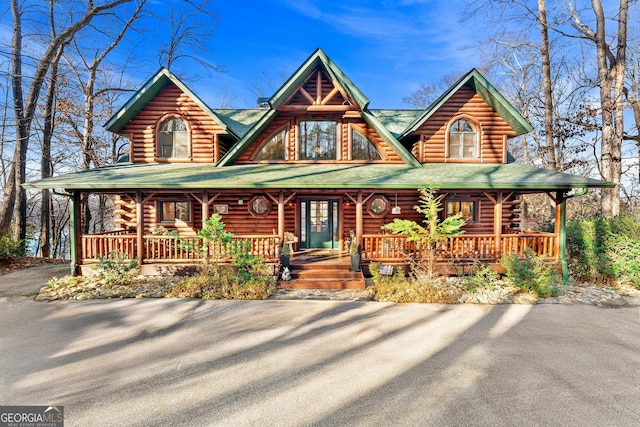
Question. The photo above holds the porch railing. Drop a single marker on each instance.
(467, 247)
(171, 249)
(95, 246)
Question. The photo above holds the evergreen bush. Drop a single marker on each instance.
(10, 248)
(532, 274)
(604, 250)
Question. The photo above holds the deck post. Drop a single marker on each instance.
(359, 204)
(140, 226)
(497, 225)
(75, 235)
(561, 234)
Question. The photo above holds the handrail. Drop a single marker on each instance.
(466, 247)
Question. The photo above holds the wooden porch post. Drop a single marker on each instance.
(281, 215)
(205, 207)
(561, 235)
(359, 227)
(76, 233)
(140, 226)
(497, 225)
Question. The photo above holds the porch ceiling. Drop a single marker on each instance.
(174, 176)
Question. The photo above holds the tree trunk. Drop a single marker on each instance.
(46, 167)
(549, 130)
(611, 71)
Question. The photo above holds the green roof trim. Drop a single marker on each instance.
(475, 80)
(405, 155)
(147, 92)
(194, 176)
(248, 137)
(318, 58)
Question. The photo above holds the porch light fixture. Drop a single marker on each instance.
(396, 209)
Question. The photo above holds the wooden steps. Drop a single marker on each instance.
(323, 274)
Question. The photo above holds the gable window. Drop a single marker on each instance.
(362, 148)
(318, 140)
(463, 140)
(173, 139)
(170, 211)
(275, 148)
(468, 209)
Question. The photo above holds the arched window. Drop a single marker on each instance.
(174, 139)
(463, 140)
(362, 148)
(275, 148)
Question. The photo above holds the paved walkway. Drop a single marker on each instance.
(28, 282)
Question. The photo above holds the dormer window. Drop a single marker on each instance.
(463, 140)
(173, 139)
(318, 140)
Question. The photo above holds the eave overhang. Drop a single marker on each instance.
(189, 176)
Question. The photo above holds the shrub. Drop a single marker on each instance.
(224, 282)
(399, 288)
(532, 274)
(483, 277)
(10, 248)
(117, 269)
(604, 249)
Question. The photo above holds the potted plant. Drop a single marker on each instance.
(354, 253)
(285, 255)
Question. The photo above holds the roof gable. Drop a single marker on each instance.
(487, 92)
(147, 92)
(319, 83)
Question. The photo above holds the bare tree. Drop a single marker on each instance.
(611, 65)
(191, 28)
(14, 206)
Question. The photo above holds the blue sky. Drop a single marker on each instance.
(387, 48)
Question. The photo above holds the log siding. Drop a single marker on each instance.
(431, 146)
(172, 102)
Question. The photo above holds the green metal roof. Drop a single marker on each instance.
(147, 92)
(172, 176)
(396, 121)
(240, 121)
(487, 92)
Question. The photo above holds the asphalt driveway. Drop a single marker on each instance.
(189, 362)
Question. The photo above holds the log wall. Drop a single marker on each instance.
(172, 101)
(240, 221)
(430, 147)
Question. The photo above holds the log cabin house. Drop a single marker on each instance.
(315, 161)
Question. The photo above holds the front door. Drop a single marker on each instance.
(319, 224)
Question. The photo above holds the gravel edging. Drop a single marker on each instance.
(70, 288)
